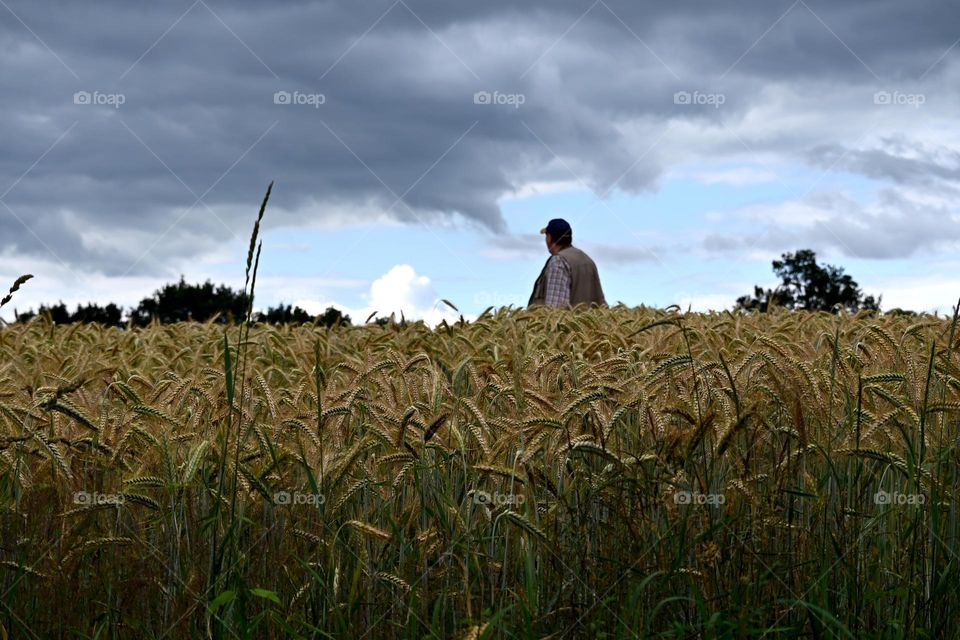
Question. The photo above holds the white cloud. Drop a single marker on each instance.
(934, 293)
(791, 213)
(53, 283)
(705, 302)
(275, 289)
(738, 177)
(400, 290)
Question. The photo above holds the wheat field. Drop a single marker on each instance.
(611, 473)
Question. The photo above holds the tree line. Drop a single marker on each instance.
(805, 285)
(182, 302)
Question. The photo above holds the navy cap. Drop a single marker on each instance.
(558, 228)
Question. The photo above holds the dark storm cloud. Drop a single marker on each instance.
(188, 154)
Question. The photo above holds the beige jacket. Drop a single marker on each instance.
(584, 280)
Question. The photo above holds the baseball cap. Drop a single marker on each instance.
(558, 228)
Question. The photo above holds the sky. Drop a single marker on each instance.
(418, 147)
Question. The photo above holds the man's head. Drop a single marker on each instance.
(558, 234)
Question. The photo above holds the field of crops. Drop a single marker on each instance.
(612, 473)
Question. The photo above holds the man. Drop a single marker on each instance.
(570, 277)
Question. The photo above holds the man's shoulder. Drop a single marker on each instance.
(558, 260)
(578, 254)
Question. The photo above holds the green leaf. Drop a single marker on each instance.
(222, 599)
(266, 595)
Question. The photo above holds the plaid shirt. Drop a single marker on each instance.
(558, 283)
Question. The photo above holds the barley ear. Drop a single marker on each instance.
(14, 288)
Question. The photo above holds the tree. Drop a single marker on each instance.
(284, 315)
(333, 318)
(58, 313)
(806, 285)
(182, 302)
(109, 316)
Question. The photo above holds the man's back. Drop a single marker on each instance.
(579, 273)
(585, 285)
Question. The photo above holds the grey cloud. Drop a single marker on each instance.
(622, 255)
(896, 227)
(397, 100)
(902, 162)
(725, 243)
